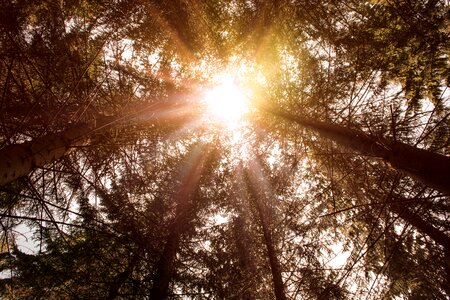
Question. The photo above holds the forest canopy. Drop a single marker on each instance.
(225, 149)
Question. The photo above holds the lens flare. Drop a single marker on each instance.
(226, 102)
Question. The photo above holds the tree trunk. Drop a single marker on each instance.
(430, 168)
(20, 159)
(266, 224)
(183, 212)
(247, 266)
(114, 288)
(399, 205)
(165, 267)
(273, 259)
(417, 222)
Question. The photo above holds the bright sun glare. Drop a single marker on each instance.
(226, 102)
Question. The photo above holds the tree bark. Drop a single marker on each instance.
(165, 267)
(183, 211)
(273, 259)
(20, 159)
(247, 266)
(430, 168)
(114, 288)
(399, 205)
(266, 224)
(421, 225)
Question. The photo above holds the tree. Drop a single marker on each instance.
(20, 159)
(265, 216)
(431, 168)
(333, 185)
(184, 202)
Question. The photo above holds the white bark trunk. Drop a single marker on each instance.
(19, 160)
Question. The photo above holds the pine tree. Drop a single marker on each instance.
(335, 187)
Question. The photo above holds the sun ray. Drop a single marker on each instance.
(257, 176)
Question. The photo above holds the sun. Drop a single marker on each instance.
(226, 102)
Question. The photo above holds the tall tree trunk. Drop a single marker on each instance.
(183, 213)
(114, 288)
(244, 241)
(399, 205)
(20, 159)
(247, 265)
(273, 259)
(421, 225)
(165, 266)
(266, 224)
(428, 167)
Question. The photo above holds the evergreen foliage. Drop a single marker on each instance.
(116, 184)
